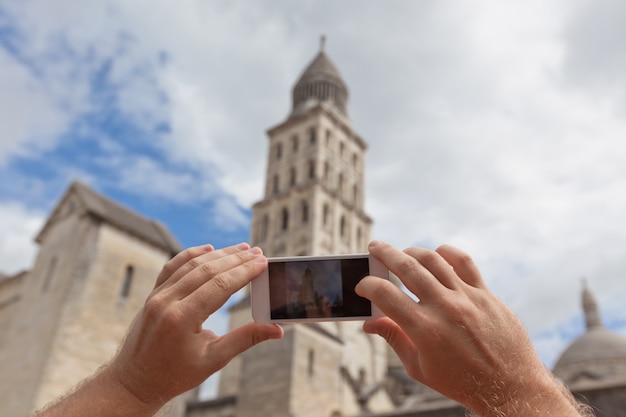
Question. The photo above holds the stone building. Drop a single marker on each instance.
(96, 264)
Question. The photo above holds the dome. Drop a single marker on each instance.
(320, 82)
(596, 355)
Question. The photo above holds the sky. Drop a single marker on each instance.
(495, 126)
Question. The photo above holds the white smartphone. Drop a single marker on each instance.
(314, 288)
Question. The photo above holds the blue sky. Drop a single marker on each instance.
(497, 126)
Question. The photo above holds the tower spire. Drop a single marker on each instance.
(322, 43)
(590, 307)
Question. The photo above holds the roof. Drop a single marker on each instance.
(109, 211)
(320, 82)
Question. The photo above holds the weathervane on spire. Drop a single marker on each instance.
(322, 42)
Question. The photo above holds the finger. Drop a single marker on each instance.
(463, 265)
(212, 267)
(205, 261)
(399, 341)
(436, 265)
(391, 300)
(413, 275)
(179, 260)
(214, 292)
(241, 339)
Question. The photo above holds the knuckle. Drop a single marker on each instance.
(408, 267)
(429, 257)
(383, 292)
(205, 269)
(221, 282)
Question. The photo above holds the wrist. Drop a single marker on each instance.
(129, 400)
(545, 396)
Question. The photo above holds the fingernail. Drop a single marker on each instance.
(243, 246)
(374, 243)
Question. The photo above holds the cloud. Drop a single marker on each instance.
(18, 229)
(23, 97)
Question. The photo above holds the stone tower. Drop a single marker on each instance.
(313, 205)
(96, 264)
(313, 202)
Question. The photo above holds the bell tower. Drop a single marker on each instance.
(312, 205)
(313, 201)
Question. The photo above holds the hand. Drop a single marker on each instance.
(459, 339)
(167, 352)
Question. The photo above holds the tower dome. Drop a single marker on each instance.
(598, 355)
(320, 82)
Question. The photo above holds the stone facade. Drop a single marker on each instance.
(89, 280)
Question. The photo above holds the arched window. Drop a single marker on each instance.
(49, 273)
(284, 224)
(340, 184)
(311, 169)
(342, 226)
(275, 185)
(311, 364)
(294, 143)
(326, 171)
(325, 215)
(263, 228)
(279, 150)
(292, 176)
(312, 136)
(127, 283)
(305, 212)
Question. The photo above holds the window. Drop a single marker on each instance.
(279, 150)
(355, 159)
(292, 176)
(342, 148)
(49, 273)
(127, 283)
(328, 136)
(294, 143)
(340, 184)
(275, 184)
(284, 224)
(312, 136)
(305, 212)
(311, 170)
(326, 171)
(325, 215)
(311, 364)
(263, 228)
(342, 227)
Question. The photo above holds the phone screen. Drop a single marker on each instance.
(310, 289)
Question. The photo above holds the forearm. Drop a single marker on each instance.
(100, 396)
(546, 398)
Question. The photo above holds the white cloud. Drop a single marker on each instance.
(23, 96)
(18, 229)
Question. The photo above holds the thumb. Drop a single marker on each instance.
(399, 342)
(243, 338)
